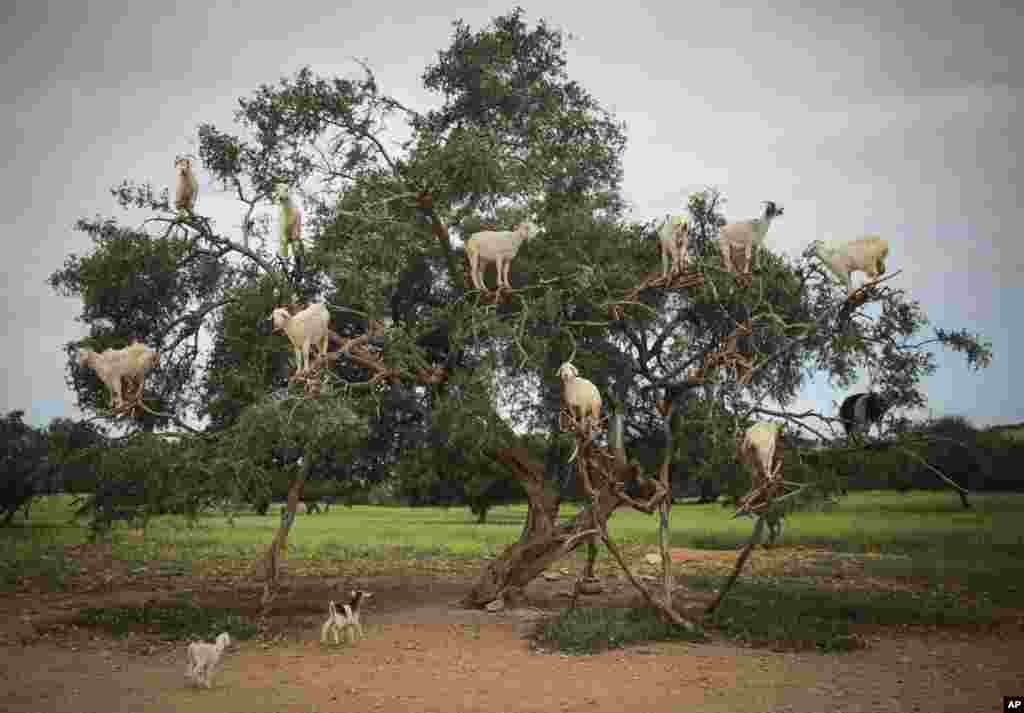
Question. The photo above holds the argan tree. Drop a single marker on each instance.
(511, 136)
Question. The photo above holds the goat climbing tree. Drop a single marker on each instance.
(511, 137)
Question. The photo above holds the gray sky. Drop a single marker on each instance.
(885, 119)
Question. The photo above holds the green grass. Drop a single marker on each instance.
(781, 613)
(40, 558)
(916, 523)
(998, 575)
(794, 614)
(36, 549)
(938, 540)
(925, 536)
(589, 630)
(180, 621)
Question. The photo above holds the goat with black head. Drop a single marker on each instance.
(860, 411)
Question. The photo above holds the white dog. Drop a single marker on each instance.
(344, 621)
(203, 658)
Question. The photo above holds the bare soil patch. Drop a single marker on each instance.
(423, 652)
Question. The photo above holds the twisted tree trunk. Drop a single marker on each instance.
(545, 540)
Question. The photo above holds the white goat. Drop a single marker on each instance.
(497, 247)
(757, 453)
(746, 234)
(186, 185)
(673, 239)
(203, 659)
(344, 622)
(112, 365)
(304, 329)
(581, 398)
(866, 254)
(290, 220)
(579, 395)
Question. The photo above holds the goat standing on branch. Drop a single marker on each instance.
(497, 247)
(290, 221)
(304, 329)
(186, 186)
(866, 254)
(860, 411)
(112, 365)
(581, 398)
(746, 235)
(673, 239)
(757, 452)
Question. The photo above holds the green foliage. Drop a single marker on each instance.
(74, 453)
(179, 621)
(804, 616)
(244, 363)
(263, 450)
(511, 135)
(589, 630)
(975, 459)
(512, 123)
(24, 466)
(137, 481)
(37, 558)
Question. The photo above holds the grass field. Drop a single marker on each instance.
(928, 534)
(961, 563)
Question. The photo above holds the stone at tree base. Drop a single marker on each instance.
(496, 606)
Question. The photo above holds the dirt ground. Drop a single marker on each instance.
(423, 653)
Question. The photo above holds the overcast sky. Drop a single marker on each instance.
(900, 121)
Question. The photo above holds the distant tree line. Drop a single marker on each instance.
(69, 456)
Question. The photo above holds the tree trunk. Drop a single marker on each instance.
(279, 547)
(546, 540)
